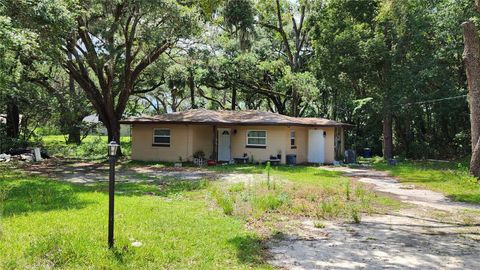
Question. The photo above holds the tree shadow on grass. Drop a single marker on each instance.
(250, 250)
(25, 196)
(154, 188)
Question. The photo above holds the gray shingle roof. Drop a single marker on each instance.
(246, 117)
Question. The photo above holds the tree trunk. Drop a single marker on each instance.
(387, 135)
(191, 85)
(471, 57)
(475, 160)
(234, 98)
(74, 135)
(113, 130)
(13, 120)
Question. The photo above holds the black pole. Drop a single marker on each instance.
(111, 203)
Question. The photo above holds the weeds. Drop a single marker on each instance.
(319, 225)
(347, 190)
(330, 208)
(225, 200)
(355, 214)
(303, 192)
(3, 196)
(267, 169)
(270, 201)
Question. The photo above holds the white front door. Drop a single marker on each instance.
(316, 146)
(224, 144)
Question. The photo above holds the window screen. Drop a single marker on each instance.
(256, 137)
(161, 136)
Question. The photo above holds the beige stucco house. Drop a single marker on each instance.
(233, 135)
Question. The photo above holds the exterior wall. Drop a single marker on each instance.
(301, 141)
(142, 140)
(276, 142)
(329, 144)
(202, 139)
(301, 138)
(185, 140)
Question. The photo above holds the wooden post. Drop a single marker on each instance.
(342, 141)
(215, 143)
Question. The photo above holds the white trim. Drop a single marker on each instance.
(316, 146)
(162, 136)
(249, 144)
(220, 132)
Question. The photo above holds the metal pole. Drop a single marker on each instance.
(111, 203)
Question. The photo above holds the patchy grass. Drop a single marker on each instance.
(93, 147)
(298, 191)
(450, 178)
(48, 224)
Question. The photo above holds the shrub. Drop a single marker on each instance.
(199, 154)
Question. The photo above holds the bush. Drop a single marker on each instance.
(92, 147)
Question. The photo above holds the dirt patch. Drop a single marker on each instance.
(435, 233)
(90, 172)
(398, 241)
(384, 183)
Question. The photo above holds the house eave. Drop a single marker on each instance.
(132, 122)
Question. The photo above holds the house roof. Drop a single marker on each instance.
(3, 118)
(246, 117)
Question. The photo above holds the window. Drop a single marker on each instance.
(161, 137)
(292, 139)
(256, 138)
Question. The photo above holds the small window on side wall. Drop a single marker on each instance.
(161, 137)
(256, 139)
(293, 144)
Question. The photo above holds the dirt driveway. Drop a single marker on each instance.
(434, 233)
(92, 172)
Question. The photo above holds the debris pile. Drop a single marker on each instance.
(27, 155)
(5, 157)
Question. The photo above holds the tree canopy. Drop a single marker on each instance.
(392, 68)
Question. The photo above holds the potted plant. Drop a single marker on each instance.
(211, 161)
(199, 158)
(179, 163)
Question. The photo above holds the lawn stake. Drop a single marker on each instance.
(112, 153)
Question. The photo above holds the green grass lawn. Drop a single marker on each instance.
(181, 224)
(93, 147)
(449, 178)
(48, 224)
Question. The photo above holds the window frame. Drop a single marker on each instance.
(162, 136)
(294, 138)
(250, 145)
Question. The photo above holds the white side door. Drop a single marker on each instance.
(224, 144)
(316, 146)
